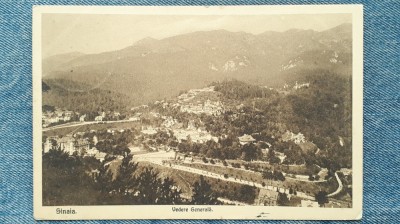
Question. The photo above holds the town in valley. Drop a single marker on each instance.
(204, 118)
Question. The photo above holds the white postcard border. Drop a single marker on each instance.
(219, 212)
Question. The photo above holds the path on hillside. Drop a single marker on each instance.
(158, 158)
(75, 124)
(340, 188)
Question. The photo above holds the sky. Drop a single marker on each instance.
(95, 33)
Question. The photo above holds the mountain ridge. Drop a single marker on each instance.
(151, 68)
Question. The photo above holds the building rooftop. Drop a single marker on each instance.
(246, 138)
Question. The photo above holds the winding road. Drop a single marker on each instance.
(340, 188)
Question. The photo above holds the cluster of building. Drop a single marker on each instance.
(57, 116)
(93, 152)
(208, 107)
(73, 145)
(193, 93)
(296, 138)
(54, 117)
(115, 115)
(198, 135)
(169, 122)
(186, 103)
(67, 143)
(195, 135)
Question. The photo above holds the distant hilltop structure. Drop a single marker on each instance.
(303, 85)
(296, 138)
(245, 139)
(297, 85)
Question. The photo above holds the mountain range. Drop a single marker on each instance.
(152, 69)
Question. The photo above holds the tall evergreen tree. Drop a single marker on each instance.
(147, 187)
(282, 199)
(169, 194)
(203, 194)
(125, 179)
(321, 197)
(104, 179)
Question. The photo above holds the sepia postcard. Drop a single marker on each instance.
(195, 112)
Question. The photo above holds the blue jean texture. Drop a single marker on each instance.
(381, 200)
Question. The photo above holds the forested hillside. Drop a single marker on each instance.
(82, 98)
(322, 112)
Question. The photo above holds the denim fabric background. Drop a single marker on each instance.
(381, 105)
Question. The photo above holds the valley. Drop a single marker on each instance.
(211, 118)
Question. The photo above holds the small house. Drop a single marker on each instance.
(245, 139)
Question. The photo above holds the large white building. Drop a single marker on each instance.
(68, 144)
